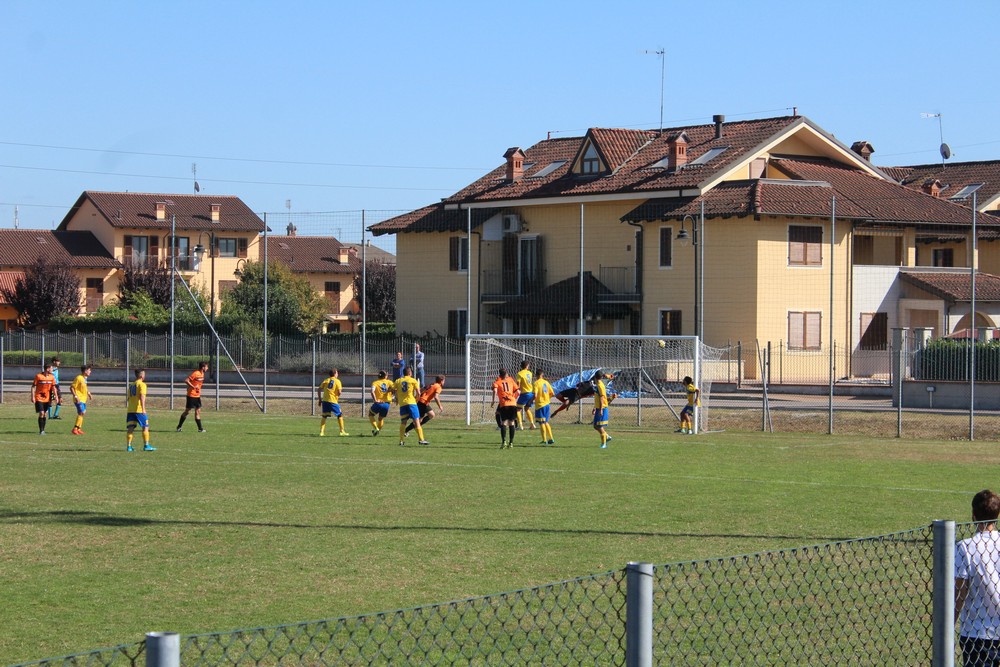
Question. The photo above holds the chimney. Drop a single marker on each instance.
(864, 149)
(345, 255)
(515, 164)
(677, 155)
(161, 210)
(932, 186)
(718, 119)
(215, 212)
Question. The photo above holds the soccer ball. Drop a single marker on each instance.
(661, 343)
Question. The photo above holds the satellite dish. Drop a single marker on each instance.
(945, 151)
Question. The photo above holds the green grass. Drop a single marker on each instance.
(260, 522)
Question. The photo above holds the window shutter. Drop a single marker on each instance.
(454, 250)
(241, 247)
(452, 324)
(127, 250)
(666, 246)
(814, 253)
(813, 327)
(796, 252)
(154, 248)
(795, 333)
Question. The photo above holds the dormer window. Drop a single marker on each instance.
(590, 163)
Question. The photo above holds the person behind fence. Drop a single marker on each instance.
(41, 395)
(398, 364)
(81, 396)
(194, 383)
(329, 400)
(693, 400)
(977, 585)
(56, 390)
(382, 390)
(418, 364)
(136, 412)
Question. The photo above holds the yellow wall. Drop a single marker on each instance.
(425, 289)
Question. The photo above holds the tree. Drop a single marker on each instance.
(291, 300)
(46, 290)
(148, 277)
(381, 299)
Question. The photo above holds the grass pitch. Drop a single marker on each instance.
(260, 522)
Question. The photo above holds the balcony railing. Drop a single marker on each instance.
(509, 283)
(621, 281)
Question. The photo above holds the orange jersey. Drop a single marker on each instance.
(194, 382)
(429, 394)
(506, 391)
(41, 388)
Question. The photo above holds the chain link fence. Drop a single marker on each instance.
(881, 600)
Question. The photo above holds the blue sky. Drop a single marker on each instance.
(391, 106)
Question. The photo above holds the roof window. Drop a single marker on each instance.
(548, 169)
(708, 155)
(967, 191)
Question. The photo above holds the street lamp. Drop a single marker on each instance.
(697, 227)
(240, 265)
(199, 250)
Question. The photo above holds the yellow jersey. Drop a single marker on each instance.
(331, 388)
(79, 388)
(382, 390)
(543, 393)
(524, 381)
(137, 397)
(692, 395)
(600, 395)
(407, 390)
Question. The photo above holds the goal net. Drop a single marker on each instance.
(648, 373)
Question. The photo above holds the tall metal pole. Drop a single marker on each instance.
(973, 332)
(468, 315)
(833, 241)
(364, 311)
(173, 278)
(264, 392)
(699, 277)
(582, 331)
(213, 359)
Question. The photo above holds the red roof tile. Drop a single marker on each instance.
(955, 286)
(311, 254)
(954, 176)
(137, 210)
(78, 249)
(8, 281)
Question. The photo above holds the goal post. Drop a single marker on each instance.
(647, 371)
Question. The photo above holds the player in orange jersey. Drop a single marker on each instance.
(42, 394)
(431, 393)
(194, 383)
(505, 393)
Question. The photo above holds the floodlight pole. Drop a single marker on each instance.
(972, 328)
(173, 274)
(264, 392)
(364, 311)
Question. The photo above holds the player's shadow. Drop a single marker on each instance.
(115, 521)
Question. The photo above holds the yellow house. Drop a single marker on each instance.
(330, 267)
(214, 233)
(794, 239)
(79, 250)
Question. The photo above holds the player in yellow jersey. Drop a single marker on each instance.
(601, 402)
(328, 393)
(81, 394)
(137, 412)
(543, 396)
(407, 392)
(693, 401)
(382, 391)
(526, 397)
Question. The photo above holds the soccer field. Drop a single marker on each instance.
(261, 522)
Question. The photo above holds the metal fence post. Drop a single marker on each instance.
(943, 638)
(163, 649)
(312, 403)
(639, 615)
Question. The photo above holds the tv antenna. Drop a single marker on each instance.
(945, 149)
(194, 175)
(661, 52)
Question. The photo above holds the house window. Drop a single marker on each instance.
(804, 330)
(182, 251)
(95, 294)
(458, 253)
(225, 247)
(670, 323)
(943, 257)
(140, 250)
(591, 163)
(226, 286)
(458, 323)
(666, 247)
(874, 331)
(332, 290)
(805, 245)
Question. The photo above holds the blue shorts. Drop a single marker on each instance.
(526, 399)
(140, 419)
(542, 414)
(331, 409)
(81, 407)
(600, 417)
(380, 409)
(409, 412)
(688, 410)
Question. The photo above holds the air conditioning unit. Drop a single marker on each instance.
(511, 223)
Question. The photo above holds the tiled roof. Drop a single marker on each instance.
(434, 218)
(561, 299)
(8, 281)
(373, 253)
(954, 286)
(311, 254)
(617, 146)
(954, 176)
(78, 249)
(137, 210)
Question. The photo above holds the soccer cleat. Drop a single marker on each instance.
(76, 431)
(604, 445)
(610, 438)
(130, 448)
(343, 434)
(680, 430)
(41, 433)
(148, 448)
(321, 434)
(503, 445)
(56, 417)
(201, 430)
(402, 444)
(551, 442)
(178, 429)
(543, 443)
(374, 432)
